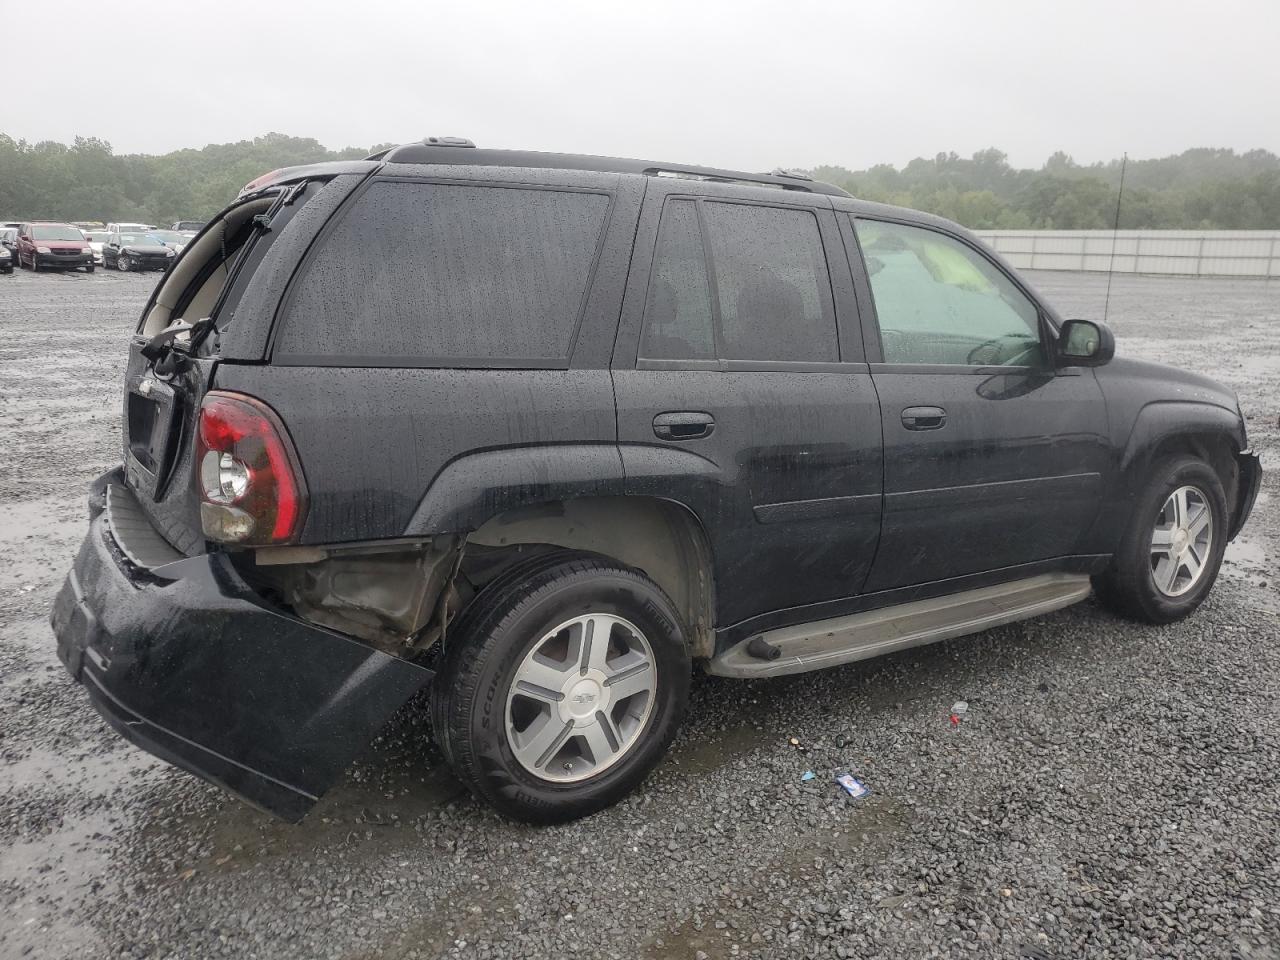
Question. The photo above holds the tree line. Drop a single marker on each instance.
(1200, 189)
(1203, 188)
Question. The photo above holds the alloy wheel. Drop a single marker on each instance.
(1181, 541)
(581, 698)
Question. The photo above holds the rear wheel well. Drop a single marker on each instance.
(661, 538)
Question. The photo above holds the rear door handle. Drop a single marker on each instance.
(683, 425)
(924, 418)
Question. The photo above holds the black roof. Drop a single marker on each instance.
(455, 150)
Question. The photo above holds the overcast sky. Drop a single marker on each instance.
(737, 84)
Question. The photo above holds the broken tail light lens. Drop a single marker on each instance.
(247, 472)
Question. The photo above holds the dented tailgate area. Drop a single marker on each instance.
(190, 662)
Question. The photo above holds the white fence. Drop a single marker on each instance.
(1208, 253)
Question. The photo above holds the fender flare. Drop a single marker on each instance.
(1162, 421)
(470, 490)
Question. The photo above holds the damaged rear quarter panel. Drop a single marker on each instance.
(372, 440)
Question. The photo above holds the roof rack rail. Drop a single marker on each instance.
(723, 176)
(436, 150)
(792, 174)
(448, 142)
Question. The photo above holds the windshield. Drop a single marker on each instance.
(168, 236)
(97, 236)
(141, 239)
(56, 231)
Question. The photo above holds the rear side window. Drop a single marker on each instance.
(421, 273)
(771, 276)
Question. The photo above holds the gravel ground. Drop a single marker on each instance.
(1113, 791)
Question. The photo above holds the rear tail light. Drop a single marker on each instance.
(250, 482)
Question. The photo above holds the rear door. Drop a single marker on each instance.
(742, 393)
(994, 459)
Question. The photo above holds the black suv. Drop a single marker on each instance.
(540, 431)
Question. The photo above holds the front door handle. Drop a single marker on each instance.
(924, 418)
(683, 425)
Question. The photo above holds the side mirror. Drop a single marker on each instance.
(1085, 343)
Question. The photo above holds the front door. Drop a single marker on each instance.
(994, 459)
(742, 394)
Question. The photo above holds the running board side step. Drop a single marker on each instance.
(859, 636)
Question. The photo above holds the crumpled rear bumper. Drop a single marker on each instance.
(186, 661)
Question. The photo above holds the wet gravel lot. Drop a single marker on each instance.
(1113, 792)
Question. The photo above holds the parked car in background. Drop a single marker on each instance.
(175, 240)
(130, 227)
(54, 246)
(9, 240)
(97, 239)
(142, 250)
(189, 226)
(6, 260)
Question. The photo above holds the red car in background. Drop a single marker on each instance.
(47, 245)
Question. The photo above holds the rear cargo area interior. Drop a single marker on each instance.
(210, 247)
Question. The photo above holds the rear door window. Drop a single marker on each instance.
(766, 296)
(771, 277)
(425, 274)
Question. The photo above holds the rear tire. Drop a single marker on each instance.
(1170, 554)
(587, 721)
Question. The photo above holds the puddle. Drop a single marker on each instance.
(868, 828)
(96, 774)
(37, 543)
(704, 752)
(1243, 552)
(384, 794)
(71, 860)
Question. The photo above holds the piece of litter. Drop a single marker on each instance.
(808, 775)
(852, 785)
(959, 710)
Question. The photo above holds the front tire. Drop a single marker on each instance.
(123, 263)
(1172, 550)
(561, 688)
